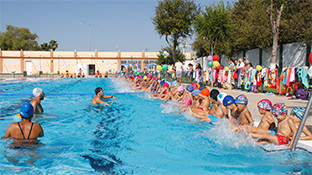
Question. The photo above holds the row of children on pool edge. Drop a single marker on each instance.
(211, 106)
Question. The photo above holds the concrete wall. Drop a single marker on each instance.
(36, 61)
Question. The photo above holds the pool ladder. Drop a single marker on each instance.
(304, 119)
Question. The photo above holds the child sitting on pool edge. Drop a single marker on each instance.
(286, 128)
(243, 114)
(267, 123)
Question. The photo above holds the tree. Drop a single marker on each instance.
(296, 24)
(53, 45)
(214, 25)
(200, 47)
(169, 60)
(251, 26)
(275, 20)
(173, 20)
(44, 47)
(16, 38)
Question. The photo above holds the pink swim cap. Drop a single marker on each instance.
(195, 86)
(149, 75)
(166, 85)
(155, 78)
(180, 88)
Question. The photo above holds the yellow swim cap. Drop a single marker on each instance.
(145, 77)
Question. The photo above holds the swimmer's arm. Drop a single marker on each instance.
(110, 96)
(8, 131)
(41, 130)
(308, 134)
(99, 101)
(249, 118)
(293, 130)
(37, 107)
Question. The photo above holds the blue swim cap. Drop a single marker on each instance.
(298, 112)
(228, 100)
(169, 83)
(162, 82)
(200, 84)
(27, 110)
(189, 88)
(202, 87)
(241, 100)
(195, 92)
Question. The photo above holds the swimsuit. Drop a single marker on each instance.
(201, 108)
(213, 119)
(272, 131)
(282, 140)
(187, 101)
(22, 130)
(212, 104)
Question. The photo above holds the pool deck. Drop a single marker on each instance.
(254, 98)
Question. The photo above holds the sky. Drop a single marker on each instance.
(110, 25)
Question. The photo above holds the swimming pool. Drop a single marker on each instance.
(135, 135)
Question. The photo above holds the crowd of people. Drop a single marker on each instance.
(202, 103)
(211, 106)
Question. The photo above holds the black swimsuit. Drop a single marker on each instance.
(22, 130)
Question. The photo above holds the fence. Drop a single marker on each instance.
(288, 55)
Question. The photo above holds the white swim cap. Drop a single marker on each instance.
(37, 92)
(221, 97)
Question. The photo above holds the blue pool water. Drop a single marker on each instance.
(135, 135)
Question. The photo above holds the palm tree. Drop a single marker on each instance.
(53, 45)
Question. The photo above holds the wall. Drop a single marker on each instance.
(69, 60)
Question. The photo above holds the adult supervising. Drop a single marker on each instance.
(99, 94)
(179, 67)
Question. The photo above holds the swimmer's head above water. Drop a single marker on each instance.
(26, 110)
(38, 92)
(97, 90)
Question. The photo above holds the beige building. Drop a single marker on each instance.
(57, 62)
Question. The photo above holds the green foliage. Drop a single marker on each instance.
(296, 22)
(16, 38)
(173, 19)
(52, 45)
(169, 60)
(213, 26)
(201, 47)
(251, 25)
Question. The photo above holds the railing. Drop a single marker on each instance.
(304, 119)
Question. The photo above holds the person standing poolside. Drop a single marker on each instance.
(36, 102)
(99, 93)
(179, 68)
(25, 130)
(240, 66)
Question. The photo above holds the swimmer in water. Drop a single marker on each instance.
(25, 134)
(25, 130)
(36, 102)
(100, 94)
